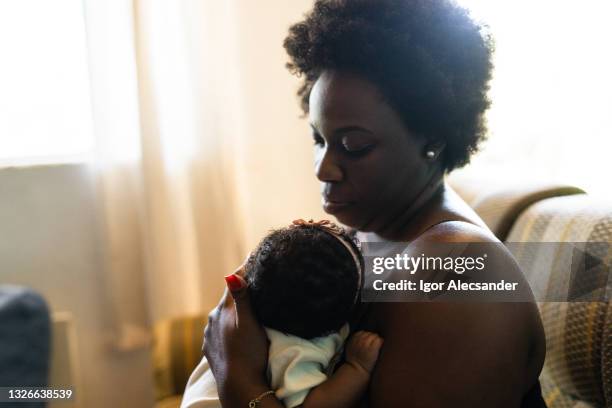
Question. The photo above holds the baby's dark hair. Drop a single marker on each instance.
(303, 281)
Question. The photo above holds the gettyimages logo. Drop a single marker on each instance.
(412, 264)
(466, 272)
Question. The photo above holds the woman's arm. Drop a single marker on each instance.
(450, 355)
(455, 354)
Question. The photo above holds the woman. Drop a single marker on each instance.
(395, 92)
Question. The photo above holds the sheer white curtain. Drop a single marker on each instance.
(167, 119)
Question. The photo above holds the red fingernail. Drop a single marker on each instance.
(233, 282)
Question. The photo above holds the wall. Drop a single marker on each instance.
(278, 151)
(49, 242)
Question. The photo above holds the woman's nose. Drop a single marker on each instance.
(327, 168)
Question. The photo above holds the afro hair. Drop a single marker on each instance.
(430, 60)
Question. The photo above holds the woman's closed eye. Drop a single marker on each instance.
(353, 146)
(357, 146)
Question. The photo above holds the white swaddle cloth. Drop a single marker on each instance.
(295, 366)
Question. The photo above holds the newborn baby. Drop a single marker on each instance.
(304, 281)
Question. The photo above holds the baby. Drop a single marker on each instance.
(304, 281)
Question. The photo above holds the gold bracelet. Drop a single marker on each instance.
(254, 403)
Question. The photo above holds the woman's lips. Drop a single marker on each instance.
(333, 207)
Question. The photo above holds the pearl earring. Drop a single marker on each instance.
(430, 154)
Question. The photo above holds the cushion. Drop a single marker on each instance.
(571, 276)
(25, 332)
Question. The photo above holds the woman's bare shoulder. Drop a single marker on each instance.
(467, 239)
(458, 230)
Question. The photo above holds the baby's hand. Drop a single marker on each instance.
(362, 350)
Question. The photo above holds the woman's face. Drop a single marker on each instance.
(370, 166)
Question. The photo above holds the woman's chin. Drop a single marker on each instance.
(344, 217)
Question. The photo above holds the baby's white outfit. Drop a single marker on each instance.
(295, 366)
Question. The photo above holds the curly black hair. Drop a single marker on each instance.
(429, 58)
(303, 281)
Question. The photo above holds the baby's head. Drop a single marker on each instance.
(304, 279)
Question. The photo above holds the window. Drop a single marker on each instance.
(45, 104)
(551, 117)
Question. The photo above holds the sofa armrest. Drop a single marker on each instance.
(177, 349)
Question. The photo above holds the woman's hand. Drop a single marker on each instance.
(236, 346)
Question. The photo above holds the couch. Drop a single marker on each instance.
(578, 366)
